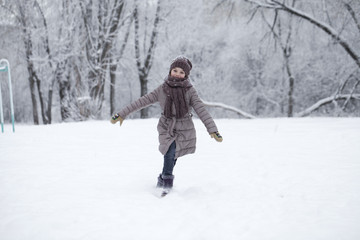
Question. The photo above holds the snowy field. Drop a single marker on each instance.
(281, 179)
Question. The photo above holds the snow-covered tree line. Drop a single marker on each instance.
(75, 60)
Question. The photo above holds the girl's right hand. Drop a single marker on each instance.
(116, 118)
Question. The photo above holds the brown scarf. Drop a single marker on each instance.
(175, 89)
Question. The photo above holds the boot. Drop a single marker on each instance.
(165, 181)
(160, 183)
(168, 181)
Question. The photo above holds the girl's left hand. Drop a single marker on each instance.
(217, 136)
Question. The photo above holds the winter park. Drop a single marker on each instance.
(155, 119)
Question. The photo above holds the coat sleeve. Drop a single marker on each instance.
(141, 103)
(199, 108)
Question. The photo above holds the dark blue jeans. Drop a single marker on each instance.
(169, 160)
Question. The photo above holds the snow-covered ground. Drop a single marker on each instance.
(291, 179)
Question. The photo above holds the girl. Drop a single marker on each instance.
(177, 136)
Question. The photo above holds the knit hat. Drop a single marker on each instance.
(183, 63)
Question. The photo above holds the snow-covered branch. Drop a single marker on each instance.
(325, 101)
(230, 108)
(353, 15)
(274, 4)
(265, 4)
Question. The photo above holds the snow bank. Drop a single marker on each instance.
(269, 179)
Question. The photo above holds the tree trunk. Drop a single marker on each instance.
(144, 68)
(30, 67)
(291, 97)
(31, 81)
(33, 95)
(100, 44)
(285, 45)
(47, 112)
(33, 77)
(113, 67)
(41, 99)
(62, 78)
(144, 113)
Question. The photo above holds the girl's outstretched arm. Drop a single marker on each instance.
(137, 105)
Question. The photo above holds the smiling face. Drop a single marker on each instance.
(177, 72)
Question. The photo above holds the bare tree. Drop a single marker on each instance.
(281, 6)
(339, 95)
(276, 6)
(26, 17)
(23, 17)
(144, 64)
(282, 33)
(114, 59)
(101, 27)
(46, 112)
(30, 66)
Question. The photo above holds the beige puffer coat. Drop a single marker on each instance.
(170, 129)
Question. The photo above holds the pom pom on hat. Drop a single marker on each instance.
(183, 63)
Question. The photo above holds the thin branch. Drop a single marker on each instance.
(150, 55)
(275, 4)
(351, 94)
(122, 49)
(230, 108)
(231, 11)
(342, 86)
(326, 28)
(326, 12)
(353, 15)
(12, 12)
(325, 101)
(268, 4)
(47, 47)
(221, 2)
(136, 37)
